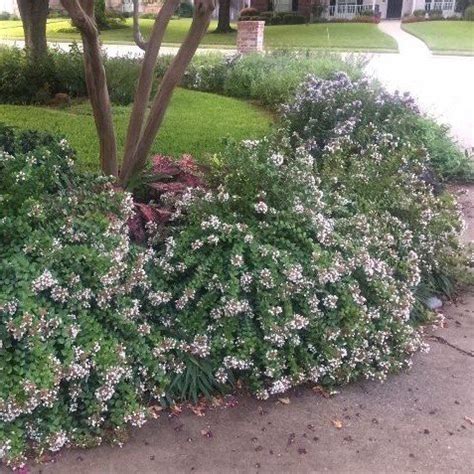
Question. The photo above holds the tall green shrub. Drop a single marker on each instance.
(469, 13)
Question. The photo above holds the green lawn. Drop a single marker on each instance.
(445, 36)
(348, 36)
(196, 123)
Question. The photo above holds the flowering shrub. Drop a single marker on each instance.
(282, 276)
(75, 352)
(342, 113)
(304, 257)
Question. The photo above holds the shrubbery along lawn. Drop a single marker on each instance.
(303, 257)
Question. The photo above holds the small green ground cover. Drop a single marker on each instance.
(195, 121)
(339, 36)
(445, 36)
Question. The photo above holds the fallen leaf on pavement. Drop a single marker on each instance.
(207, 433)
(337, 424)
(469, 420)
(199, 410)
(155, 411)
(176, 410)
(217, 401)
(321, 391)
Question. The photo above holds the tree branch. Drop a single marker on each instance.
(137, 34)
(202, 15)
(146, 78)
(77, 11)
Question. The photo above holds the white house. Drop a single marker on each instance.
(348, 9)
(388, 9)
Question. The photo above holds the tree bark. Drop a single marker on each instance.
(223, 22)
(82, 15)
(34, 14)
(137, 34)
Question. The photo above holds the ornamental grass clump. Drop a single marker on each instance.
(76, 362)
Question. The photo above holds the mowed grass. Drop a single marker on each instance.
(445, 36)
(339, 36)
(195, 123)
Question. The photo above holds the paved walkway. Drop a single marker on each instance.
(408, 45)
(442, 85)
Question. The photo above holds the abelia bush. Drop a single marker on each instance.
(367, 141)
(283, 276)
(76, 359)
(304, 257)
(330, 115)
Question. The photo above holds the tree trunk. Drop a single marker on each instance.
(34, 14)
(147, 76)
(82, 15)
(141, 134)
(223, 23)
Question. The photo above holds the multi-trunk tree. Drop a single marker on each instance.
(146, 117)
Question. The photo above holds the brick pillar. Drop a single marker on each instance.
(250, 36)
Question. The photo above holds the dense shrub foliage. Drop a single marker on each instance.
(469, 13)
(342, 113)
(310, 260)
(303, 257)
(371, 137)
(270, 79)
(75, 356)
(273, 18)
(22, 82)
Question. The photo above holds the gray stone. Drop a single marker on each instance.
(433, 302)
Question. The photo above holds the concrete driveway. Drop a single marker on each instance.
(442, 85)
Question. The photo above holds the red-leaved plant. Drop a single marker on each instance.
(167, 176)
